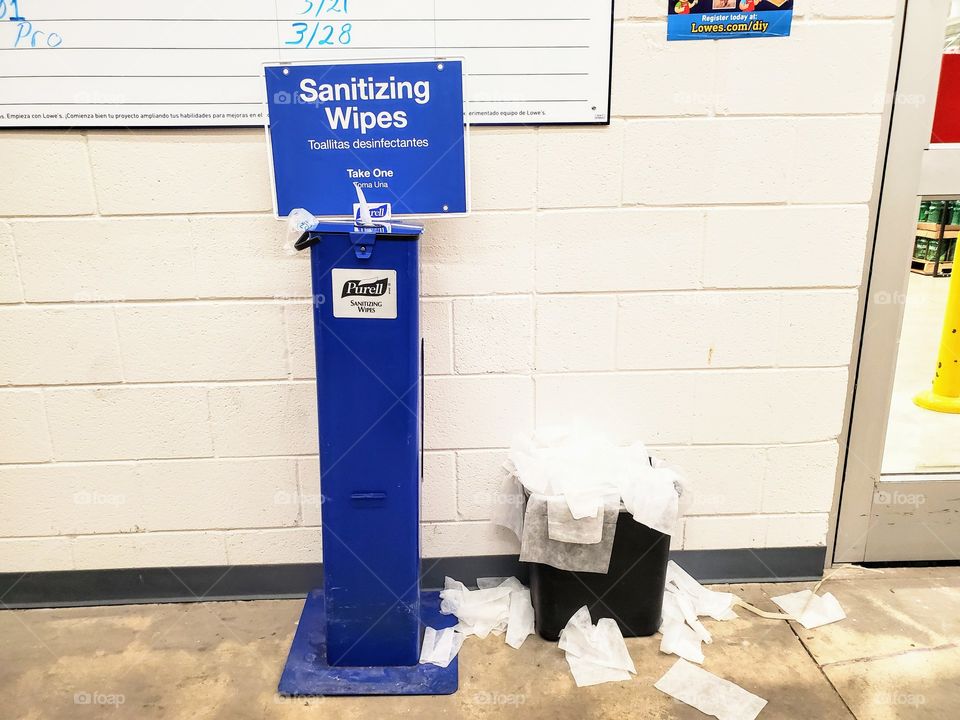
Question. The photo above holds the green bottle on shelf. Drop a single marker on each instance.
(935, 211)
(924, 210)
(955, 215)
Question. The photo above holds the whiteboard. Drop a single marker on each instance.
(183, 63)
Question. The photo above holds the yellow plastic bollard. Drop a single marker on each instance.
(945, 395)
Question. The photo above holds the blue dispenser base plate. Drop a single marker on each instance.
(307, 672)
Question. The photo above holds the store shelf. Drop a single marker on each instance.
(934, 249)
(931, 267)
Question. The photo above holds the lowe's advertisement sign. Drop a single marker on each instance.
(728, 19)
(394, 128)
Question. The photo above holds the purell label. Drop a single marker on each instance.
(364, 293)
(378, 211)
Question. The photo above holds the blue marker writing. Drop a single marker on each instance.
(25, 31)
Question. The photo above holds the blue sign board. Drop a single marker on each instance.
(394, 128)
(725, 19)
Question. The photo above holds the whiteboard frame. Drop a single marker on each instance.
(378, 61)
(569, 123)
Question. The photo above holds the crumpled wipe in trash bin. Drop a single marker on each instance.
(585, 467)
(577, 482)
(499, 605)
(539, 545)
(595, 653)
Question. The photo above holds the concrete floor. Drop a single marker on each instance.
(896, 656)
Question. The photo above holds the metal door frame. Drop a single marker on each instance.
(906, 168)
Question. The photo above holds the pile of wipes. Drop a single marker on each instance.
(499, 606)
(566, 489)
(685, 601)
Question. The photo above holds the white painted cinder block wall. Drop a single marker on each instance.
(686, 276)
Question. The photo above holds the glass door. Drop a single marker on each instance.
(900, 496)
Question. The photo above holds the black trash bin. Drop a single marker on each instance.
(630, 592)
